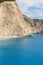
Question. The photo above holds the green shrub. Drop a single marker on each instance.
(6, 0)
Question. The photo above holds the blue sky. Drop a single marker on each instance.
(31, 8)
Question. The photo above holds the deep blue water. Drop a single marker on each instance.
(22, 51)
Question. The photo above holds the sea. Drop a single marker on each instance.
(22, 51)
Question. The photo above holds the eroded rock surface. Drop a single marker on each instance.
(14, 23)
(36, 24)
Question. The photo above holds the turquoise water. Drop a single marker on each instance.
(24, 51)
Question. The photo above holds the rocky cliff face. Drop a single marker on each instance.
(36, 24)
(14, 23)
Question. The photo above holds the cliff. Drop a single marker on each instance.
(13, 23)
(36, 24)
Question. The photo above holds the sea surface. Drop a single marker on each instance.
(22, 51)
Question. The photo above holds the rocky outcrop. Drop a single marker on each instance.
(36, 24)
(13, 23)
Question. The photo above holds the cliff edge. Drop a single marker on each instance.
(13, 23)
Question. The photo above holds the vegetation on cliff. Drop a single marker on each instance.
(6, 0)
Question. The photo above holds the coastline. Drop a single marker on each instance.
(15, 37)
(10, 37)
(5, 40)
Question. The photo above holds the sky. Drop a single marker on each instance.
(31, 8)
